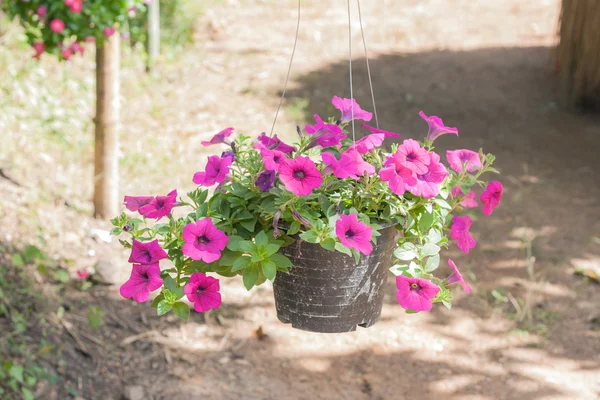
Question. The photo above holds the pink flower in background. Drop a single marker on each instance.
(436, 127)
(428, 184)
(143, 280)
(460, 232)
(41, 11)
(272, 158)
(217, 169)
(415, 293)
(413, 156)
(203, 241)
(491, 197)
(350, 165)
(221, 137)
(77, 47)
(456, 159)
(396, 174)
(354, 234)
(83, 274)
(456, 277)
(67, 53)
(368, 143)
(300, 175)
(56, 25)
(468, 201)
(75, 5)
(203, 291)
(386, 134)
(325, 135)
(146, 253)
(39, 48)
(273, 143)
(159, 207)
(90, 39)
(134, 203)
(109, 31)
(349, 109)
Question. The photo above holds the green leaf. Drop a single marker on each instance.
(157, 300)
(271, 249)
(269, 269)
(170, 283)
(399, 269)
(405, 254)
(294, 228)
(27, 394)
(432, 263)
(248, 247)
(447, 304)
(281, 261)
(228, 258)
(181, 310)
(310, 236)
(240, 263)
(443, 204)
(356, 255)
(430, 249)
(343, 249)
(202, 197)
(16, 372)
(250, 277)
(434, 236)
(234, 243)
(261, 238)
(425, 222)
(249, 224)
(163, 307)
(245, 214)
(95, 315)
(17, 260)
(116, 231)
(328, 244)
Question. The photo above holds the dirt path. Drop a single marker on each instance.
(484, 67)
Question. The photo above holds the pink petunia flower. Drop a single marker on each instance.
(349, 109)
(456, 159)
(468, 201)
(272, 158)
(300, 175)
(203, 241)
(350, 165)
(413, 156)
(56, 25)
(460, 232)
(396, 174)
(90, 39)
(354, 234)
(145, 278)
(39, 48)
(221, 137)
(273, 143)
(76, 6)
(41, 11)
(203, 291)
(386, 134)
(134, 203)
(159, 207)
(78, 48)
(415, 293)
(217, 169)
(436, 127)
(456, 277)
(428, 184)
(325, 135)
(67, 53)
(146, 253)
(109, 31)
(491, 197)
(368, 143)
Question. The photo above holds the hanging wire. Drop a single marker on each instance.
(350, 67)
(362, 32)
(288, 72)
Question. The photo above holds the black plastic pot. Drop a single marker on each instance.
(326, 291)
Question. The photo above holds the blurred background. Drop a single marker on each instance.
(507, 74)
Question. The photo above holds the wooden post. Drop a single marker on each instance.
(153, 32)
(106, 164)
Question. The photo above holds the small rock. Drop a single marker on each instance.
(108, 272)
(134, 393)
(101, 234)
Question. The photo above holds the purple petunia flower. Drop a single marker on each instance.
(456, 277)
(415, 293)
(460, 232)
(217, 169)
(266, 180)
(436, 127)
(203, 241)
(273, 143)
(354, 234)
(146, 253)
(325, 135)
(349, 109)
(203, 291)
(300, 175)
(145, 278)
(160, 206)
(221, 137)
(134, 203)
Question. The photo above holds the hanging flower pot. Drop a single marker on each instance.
(328, 292)
(352, 211)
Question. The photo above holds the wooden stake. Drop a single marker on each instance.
(153, 32)
(106, 165)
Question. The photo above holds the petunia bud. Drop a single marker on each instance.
(228, 154)
(300, 218)
(127, 227)
(276, 217)
(299, 130)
